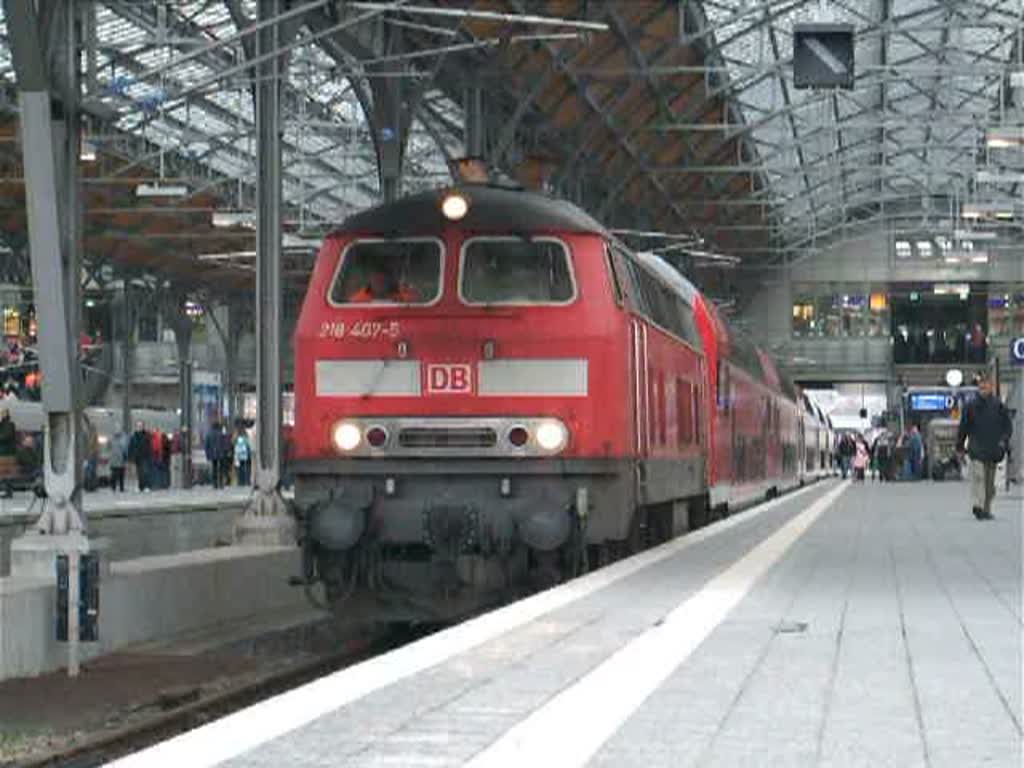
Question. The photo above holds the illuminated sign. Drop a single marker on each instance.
(1017, 351)
(931, 401)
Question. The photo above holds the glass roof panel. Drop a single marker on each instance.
(928, 83)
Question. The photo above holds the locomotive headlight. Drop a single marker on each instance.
(552, 435)
(346, 436)
(454, 206)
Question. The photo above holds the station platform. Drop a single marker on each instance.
(139, 524)
(846, 624)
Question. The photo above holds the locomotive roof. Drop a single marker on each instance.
(670, 274)
(491, 209)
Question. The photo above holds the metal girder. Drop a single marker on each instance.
(624, 143)
(171, 303)
(50, 152)
(215, 57)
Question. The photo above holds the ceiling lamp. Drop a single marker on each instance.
(161, 190)
(1003, 210)
(1005, 136)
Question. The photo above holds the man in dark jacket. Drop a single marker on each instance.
(213, 445)
(8, 453)
(986, 427)
(140, 452)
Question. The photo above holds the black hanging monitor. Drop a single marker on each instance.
(823, 56)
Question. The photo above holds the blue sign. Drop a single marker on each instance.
(930, 402)
(1017, 351)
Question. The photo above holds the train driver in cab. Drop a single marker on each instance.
(383, 285)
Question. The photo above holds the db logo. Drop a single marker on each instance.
(450, 378)
(1017, 351)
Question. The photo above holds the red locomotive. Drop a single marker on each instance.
(492, 392)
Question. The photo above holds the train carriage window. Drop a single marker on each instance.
(613, 273)
(661, 305)
(696, 415)
(684, 412)
(500, 270)
(388, 272)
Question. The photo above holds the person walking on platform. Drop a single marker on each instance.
(846, 451)
(986, 428)
(243, 458)
(860, 459)
(213, 445)
(140, 452)
(118, 458)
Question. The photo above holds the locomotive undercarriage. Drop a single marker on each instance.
(426, 540)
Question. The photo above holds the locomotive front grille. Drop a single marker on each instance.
(447, 437)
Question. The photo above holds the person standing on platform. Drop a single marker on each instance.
(243, 458)
(118, 458)
(8, 453)
(214, 448)
(227, 452)
(986, 429)
(140, 452)
(915, 446)
(860, 459)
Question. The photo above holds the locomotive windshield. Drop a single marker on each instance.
(388, 272)
(516, 271)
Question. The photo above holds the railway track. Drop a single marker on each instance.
(112, 744)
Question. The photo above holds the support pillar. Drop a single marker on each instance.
(124, 318)
(45, 46)
(172, 309)
(48, 98)
(266, 520)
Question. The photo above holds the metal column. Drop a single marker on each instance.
(475, 130)
(266, 519)
(50, 138)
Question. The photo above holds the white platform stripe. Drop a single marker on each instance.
(599, 703)
(249, 728)
(358, 378)
(548, 376)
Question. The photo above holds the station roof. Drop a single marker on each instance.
(680, 116)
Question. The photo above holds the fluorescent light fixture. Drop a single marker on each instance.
(294, 242)
(947, 289)
(160, 190)
(234, 219)
(1005, 136)
(999, 177)
(968, 234)
(978, 257)
(1002, 210)
(924, 248)
(226, 256)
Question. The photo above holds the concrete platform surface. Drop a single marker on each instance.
(104, 500)
(844, 625)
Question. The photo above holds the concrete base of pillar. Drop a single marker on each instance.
(33, 555)
(267, 522)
